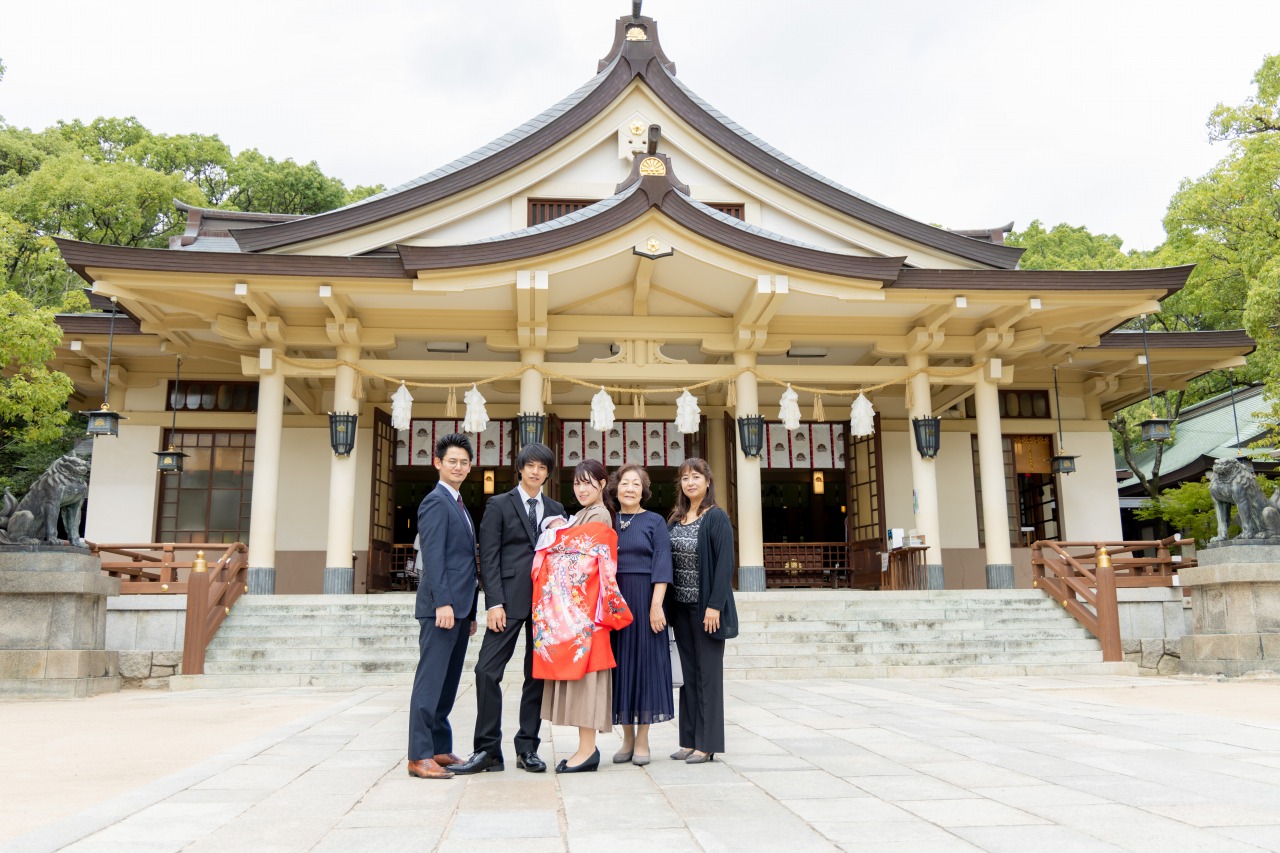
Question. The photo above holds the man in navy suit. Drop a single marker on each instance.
(508, 533)
(446, 599)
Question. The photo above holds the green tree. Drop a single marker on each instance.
(32, 397)
(281, 186)
(1228, 223)
(1068, 247)
(1189, 509)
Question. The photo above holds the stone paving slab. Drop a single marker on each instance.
(1085, 763)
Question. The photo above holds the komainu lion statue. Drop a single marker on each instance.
(57, 493)
(1232, 482)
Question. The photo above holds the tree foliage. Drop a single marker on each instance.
(1228, 223)
(114, 181)
(111, 180)
(1188, 509)
(32, 397)
(1068, 247)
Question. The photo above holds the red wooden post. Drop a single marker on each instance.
(1108, 608)
(194, 639)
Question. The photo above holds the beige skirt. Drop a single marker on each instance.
(587, 703)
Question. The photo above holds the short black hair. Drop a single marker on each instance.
(453, 439)
(535, 452)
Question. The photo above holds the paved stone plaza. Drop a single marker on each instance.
(1019, 764)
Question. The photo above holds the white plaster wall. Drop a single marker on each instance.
(491, 221)
(303, 508)
(601, 163)
(302, 514)
(1090, 502)
(123, 486)
(898, 506)
(147, 399)
(957, 501)
(773, 219)
(364, 486)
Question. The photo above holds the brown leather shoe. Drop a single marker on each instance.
(446, 759)
(428, 769)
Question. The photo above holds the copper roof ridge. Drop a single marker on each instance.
(638, 194)
(1168, 279)
(627, 60)
(248, 215)
(1165, 339)
(80, 256)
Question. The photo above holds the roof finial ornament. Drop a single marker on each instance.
(635, 8)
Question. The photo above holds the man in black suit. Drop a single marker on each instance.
(445, 607)
(508, 533)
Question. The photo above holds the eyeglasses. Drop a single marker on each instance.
(456, 463)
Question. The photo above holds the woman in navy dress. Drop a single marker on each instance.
(642, 682)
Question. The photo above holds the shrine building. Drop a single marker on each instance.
(631, 238)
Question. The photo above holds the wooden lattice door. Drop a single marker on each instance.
(382, 510)
(555, 440)
(728, 496)
(864, 515)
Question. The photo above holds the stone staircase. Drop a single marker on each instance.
(350, 641)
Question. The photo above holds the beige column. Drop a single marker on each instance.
(531, 381)
(716, 451)
(995, 508)
(750, 520)
(924, 474)
(339, 574)
(266, 476)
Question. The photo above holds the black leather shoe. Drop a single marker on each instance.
(589, 766)
(479, 762)
(531, 762)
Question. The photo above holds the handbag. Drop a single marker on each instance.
(677, 674)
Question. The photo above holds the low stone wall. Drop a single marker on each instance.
(1235, 601)
(1152, 625)
(147, 631)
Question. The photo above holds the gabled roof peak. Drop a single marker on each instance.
(635, 40)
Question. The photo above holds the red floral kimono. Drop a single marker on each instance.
(576, 603)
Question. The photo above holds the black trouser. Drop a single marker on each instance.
(495, 653)
(435, 686)
(702, 694)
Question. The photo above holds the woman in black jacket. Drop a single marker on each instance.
(700, 609)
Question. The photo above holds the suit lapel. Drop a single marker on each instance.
(449, 499)
(522, 512)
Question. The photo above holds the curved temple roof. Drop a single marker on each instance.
(629, 59)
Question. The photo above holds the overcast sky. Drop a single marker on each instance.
(963, 114)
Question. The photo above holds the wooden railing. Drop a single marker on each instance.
(211, 588)
(805, 564)
(1084, 576)
(907, 569)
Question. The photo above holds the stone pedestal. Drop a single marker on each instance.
(53, 624)
(1235, 609)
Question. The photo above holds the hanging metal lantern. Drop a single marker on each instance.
(1062, 463)
(928, 432)
(751, 435)
(530, 428)
(171, 460)
(342, 432)
(103, 421)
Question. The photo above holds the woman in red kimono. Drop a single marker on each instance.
(575, 604)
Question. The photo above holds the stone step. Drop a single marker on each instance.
(892, 645)
(344, 641)
(405, 679)
(1005, 670)
(787, 661)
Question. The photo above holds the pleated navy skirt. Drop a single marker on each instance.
(642, 682)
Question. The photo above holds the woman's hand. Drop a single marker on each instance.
(711, 621)
(657, 619)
